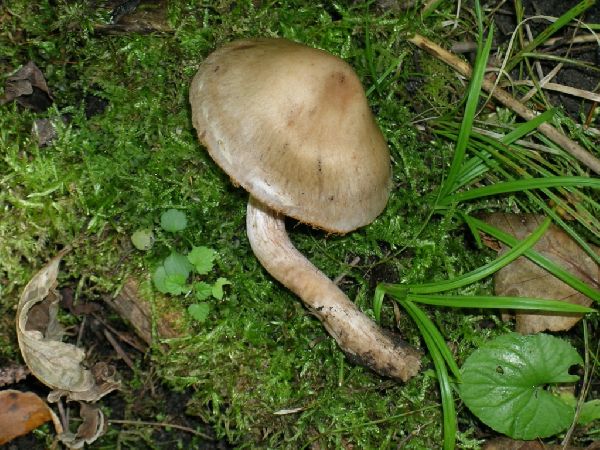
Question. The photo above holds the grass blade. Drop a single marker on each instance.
(485, 270)
(549, 31)
(468, 116)
(527, 127)
(440, 356)
(537, 258)
(499, 302)
(520, 185)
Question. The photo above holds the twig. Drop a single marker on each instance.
(592, 96)
(542, 83)
(507, 100)
(124, 356)
(163, 425)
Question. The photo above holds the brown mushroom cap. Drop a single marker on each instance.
(292, 125)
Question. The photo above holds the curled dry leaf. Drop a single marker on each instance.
(22, 412)
(93, 426)
(55, 363)
(526, 279)
(28, 87)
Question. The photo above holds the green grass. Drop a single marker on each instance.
(259, 351)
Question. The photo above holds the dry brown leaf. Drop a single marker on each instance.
(28, 87)
(93, 426)
(22, 412)
(524, 278)
(55, 363)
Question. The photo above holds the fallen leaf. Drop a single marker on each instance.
(524, 278)
(134, 307)
(93, 426)
(22, 412)
(55, 363)
(28, 87)
(12, 374)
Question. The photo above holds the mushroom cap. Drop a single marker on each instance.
(291, 124)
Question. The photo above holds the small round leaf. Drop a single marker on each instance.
(173, 220)
(143, 239)
(176, 263)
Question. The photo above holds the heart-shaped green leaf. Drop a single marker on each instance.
(504, 384)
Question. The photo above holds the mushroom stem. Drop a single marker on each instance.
(357, 335)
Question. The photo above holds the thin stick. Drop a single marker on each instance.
(163, 425)
(591, 96)
(507, 100)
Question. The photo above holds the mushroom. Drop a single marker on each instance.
(292, 126)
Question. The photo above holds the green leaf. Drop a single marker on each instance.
(554, 26)
(202, 290)
(202, 258)
(177, 264)
(528, 127)
(173, 220)
(468, 116)
(199, 311)
(217, 289)
(504, 384)
(589, 411)
(174, 283)
(441, 356)
(158, 278)
(143, 239)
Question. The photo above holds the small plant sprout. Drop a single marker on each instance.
(143, 239)
(178, 274)
(173, 220)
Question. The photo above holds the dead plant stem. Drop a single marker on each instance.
(571, 147)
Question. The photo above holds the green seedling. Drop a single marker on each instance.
(173, 275)
(143, 239)
(173, 220)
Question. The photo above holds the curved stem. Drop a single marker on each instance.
(357, 335)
